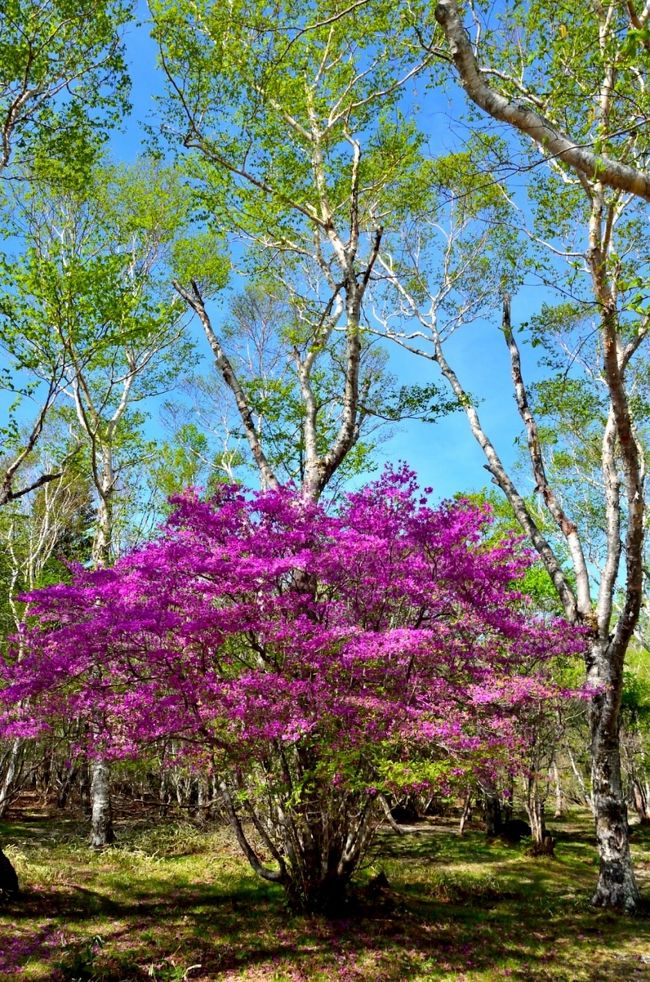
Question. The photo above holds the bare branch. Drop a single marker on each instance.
(195, 301)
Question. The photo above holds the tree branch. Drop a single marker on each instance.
(195, 301)
(567, 527)
(551, 140)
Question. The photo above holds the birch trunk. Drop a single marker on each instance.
(524, 117)
(535, 811)
(466, 812)
(559, 797)
(616, 885)
(101, 816)
(101, 824)
(11, 772)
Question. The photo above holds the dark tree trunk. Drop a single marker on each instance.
(8, 878)
(507, 799)
(327, 896)
(65, 786)
(492, 812)
(84, 788)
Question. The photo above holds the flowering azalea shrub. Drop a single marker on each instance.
(315, 658)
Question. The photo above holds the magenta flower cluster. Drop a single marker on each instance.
(382, 630)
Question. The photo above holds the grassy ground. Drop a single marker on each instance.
(176, 903)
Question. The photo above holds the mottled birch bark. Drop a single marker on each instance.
(101, 812)
(100, 434)
(616, 885)
(101, 819)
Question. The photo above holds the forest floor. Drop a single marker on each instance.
(176, 902)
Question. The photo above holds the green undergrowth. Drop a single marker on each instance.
(175, 902)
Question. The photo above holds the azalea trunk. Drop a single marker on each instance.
(318, 877)
(326, 895)
(616, 883)
(535, 812)
(101, 823)
(323, 845)
(466, 812)
(314, 847)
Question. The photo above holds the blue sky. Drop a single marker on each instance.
(444, 454)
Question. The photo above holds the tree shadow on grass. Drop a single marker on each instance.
(396, 934)
(454, 908)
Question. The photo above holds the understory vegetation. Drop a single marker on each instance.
(177, 901)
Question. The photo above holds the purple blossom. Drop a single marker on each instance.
(256, 621)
